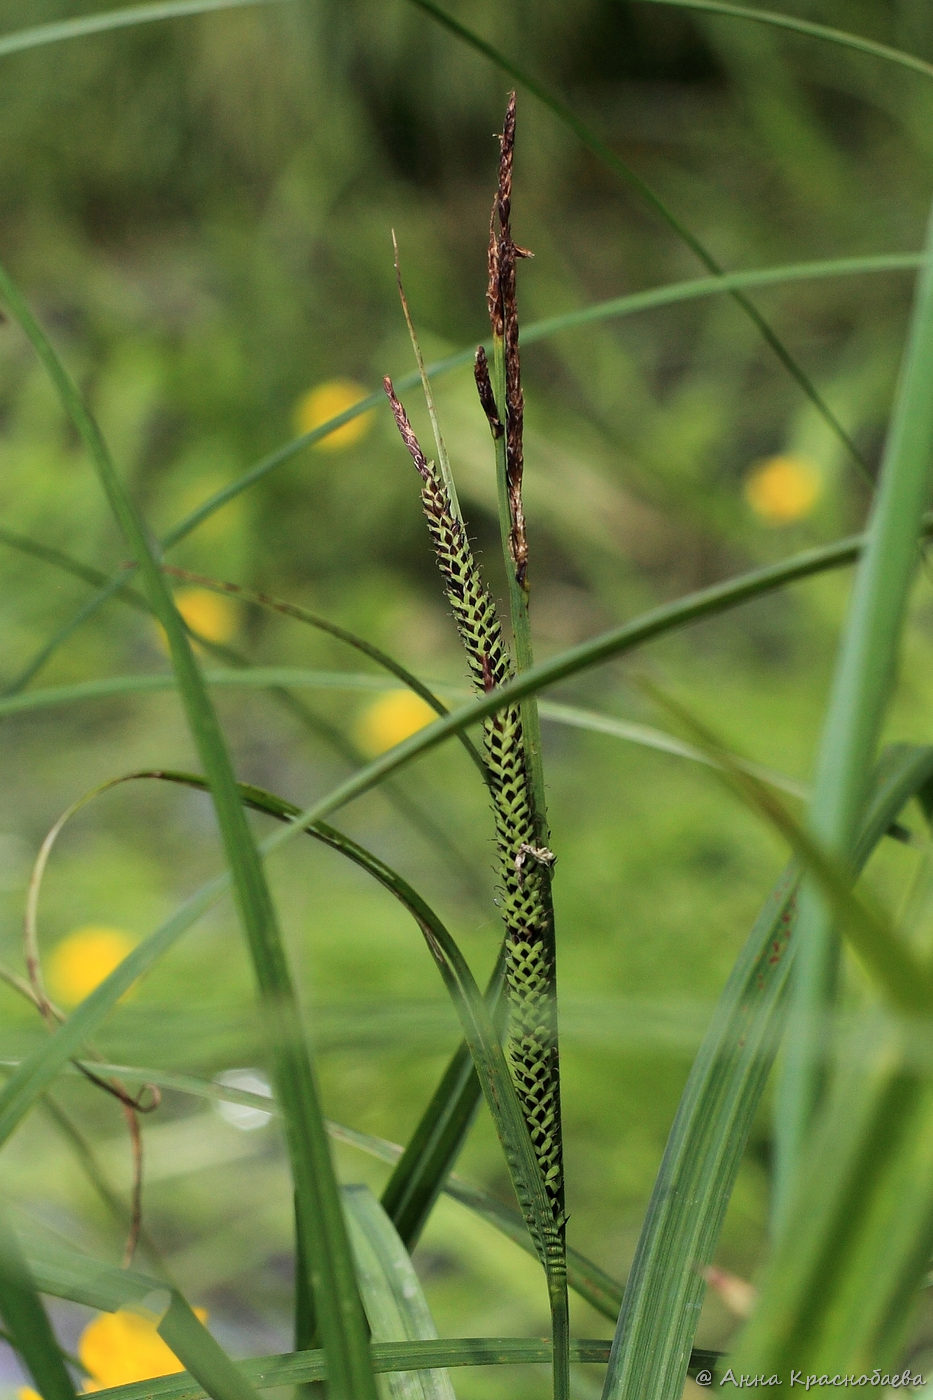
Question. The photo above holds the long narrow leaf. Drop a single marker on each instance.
(392, 1295)
(81, 27)
(39, 1069)
(26, 1320)
(808, 28)
(421, 1170)
(861, 688)
(291, 1368)
(837, 1296)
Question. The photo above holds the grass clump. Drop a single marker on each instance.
(767, 1036)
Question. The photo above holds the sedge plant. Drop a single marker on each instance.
(851, 1229)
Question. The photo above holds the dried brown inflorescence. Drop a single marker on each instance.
(504, 253)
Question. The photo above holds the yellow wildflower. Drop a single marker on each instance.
(82, 959)
(324, 402)
(119, 1348)
(390, 719)
(212, 615)
(784, 488)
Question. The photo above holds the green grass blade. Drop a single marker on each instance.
(607, 155)
(898, 971)
(862, 685)
(698, 288)
(615, 642)
(421, 1170)
(576, 717)
(26, 1320)
(203, 1358)
(81, 27)
(290, 1368)
(395, 1305)
(715, 1114)
(805, 27)
(838, 1293)
(343, 1329)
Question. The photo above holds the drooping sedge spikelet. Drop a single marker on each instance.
(531, 1043)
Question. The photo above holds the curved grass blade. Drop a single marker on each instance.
(698, 288)
(300, 1368)
(604, 152)
(343, 1327)
(650, 738)
(806, 27)
(482, 1035)
(83, 26)
(716, 1111)
(27, 1323)
(615, 642)
(395, 1305)
(86, 25)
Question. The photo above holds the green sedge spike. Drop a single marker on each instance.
(524, 865)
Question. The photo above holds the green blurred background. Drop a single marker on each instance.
(200, 211)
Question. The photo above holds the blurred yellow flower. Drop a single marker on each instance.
(390, 719)
(784, 488)
(83, 958)
(211, 615)
(324, 402)
(119, 1348)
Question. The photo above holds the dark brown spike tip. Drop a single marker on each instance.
(406, 431)
(507, 146)
(484, 388)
